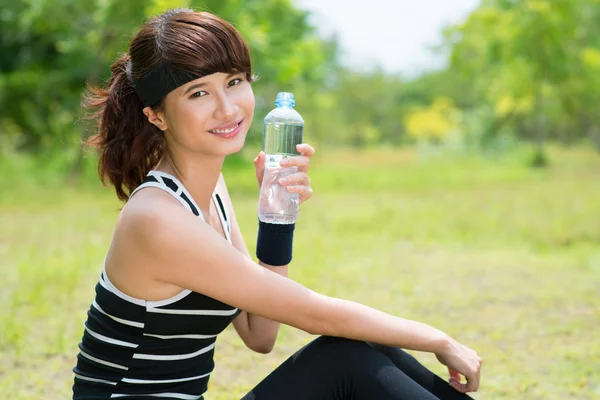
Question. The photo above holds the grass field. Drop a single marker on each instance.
(503, 257)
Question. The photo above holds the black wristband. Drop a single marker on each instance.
(274, 243)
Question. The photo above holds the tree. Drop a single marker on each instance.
(526, 60)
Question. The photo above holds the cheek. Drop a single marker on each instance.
(191, 118)
(246, 100)
(187, 122)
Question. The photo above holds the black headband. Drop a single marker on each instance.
(162, 80)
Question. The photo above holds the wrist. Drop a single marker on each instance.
(274, 243)
(442, 343)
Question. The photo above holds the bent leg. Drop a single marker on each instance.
(419, 373)
(331, 368)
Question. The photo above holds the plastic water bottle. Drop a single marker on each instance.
(282, 131)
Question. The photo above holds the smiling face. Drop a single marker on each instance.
(210, 115)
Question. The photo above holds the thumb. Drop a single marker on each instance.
(454, 374)
(259, 165)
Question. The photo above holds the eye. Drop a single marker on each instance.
(198, 94)
(234, 82)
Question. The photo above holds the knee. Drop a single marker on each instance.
(354, 359)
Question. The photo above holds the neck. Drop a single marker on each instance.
(199, 175)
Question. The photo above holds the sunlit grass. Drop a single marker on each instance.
(503, 257)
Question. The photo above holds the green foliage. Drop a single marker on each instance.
(535, 62)
(55, 47)
(518, 70)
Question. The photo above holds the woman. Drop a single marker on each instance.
(178, 270)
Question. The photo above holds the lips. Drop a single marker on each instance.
(227, 128)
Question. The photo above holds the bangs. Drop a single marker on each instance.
(202, 44)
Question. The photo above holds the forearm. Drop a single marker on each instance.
(261, 326)
(259, 333)
(356, 321)
(274, 252)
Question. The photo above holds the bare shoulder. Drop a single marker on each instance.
(140, 244)
(150, 215)
(164, 233)
(151, 229)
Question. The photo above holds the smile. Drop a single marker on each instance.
(224, 130)
(230, 128)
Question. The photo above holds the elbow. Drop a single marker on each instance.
(262, 347)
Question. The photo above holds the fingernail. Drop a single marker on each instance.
(284, 162)
(282, 181)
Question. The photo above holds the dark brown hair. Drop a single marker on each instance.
(186, 40)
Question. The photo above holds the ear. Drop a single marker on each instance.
(156, 118)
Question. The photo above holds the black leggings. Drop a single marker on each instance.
(332, 368)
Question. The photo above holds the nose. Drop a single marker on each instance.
(226, 108)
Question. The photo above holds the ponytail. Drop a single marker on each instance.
(129, 145)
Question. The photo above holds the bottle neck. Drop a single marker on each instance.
(284, 104)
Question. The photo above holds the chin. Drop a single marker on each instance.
(236, 149)
(235, 146)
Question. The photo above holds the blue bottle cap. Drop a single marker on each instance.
(285, 99)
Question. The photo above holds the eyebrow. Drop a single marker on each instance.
(199, 85)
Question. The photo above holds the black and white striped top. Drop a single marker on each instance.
(139, 349)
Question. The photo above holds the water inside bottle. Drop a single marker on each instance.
(282, 138)
(276, 205)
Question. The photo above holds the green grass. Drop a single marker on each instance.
(503, 257)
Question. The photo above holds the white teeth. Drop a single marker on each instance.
(224, 130)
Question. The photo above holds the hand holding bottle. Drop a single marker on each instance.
(291, 176)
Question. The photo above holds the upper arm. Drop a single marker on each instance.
(183, 250)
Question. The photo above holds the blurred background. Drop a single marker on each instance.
(456, 177)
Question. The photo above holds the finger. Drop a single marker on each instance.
(472, 383)
(301, 162)
(259, 161)
(455, 374)
(259, 165)
(304, 192)
(459, 387)
(305, 149)
(299, 178)
(478, 378)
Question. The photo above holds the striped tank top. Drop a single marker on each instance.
(138, 349)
